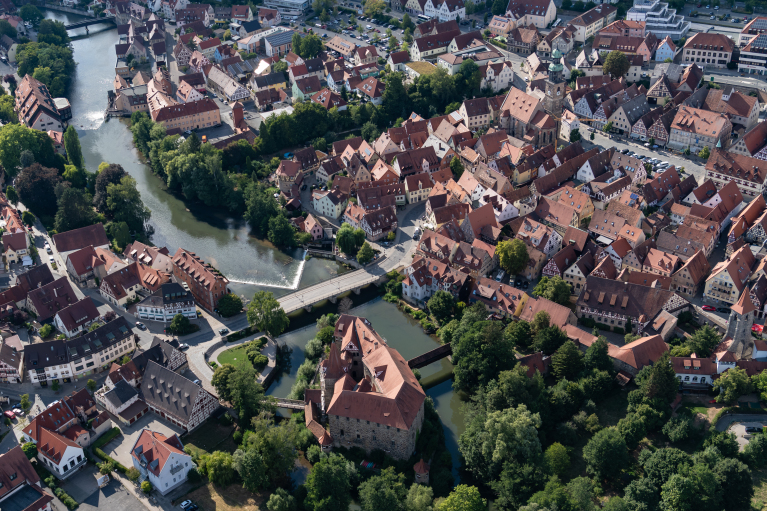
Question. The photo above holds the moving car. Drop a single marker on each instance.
(708, 308)
(223, 331)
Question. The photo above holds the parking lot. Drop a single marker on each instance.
(744, 431)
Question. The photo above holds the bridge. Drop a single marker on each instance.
(331, 289)
(89, 22)
(430, 356)
(293, 404)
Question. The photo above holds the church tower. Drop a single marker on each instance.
(739, 325)
(555, 87)
(332, 370)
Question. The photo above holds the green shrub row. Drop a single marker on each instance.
(105, 457)
(50, 482)
(106, 438)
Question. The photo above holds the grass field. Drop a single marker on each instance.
(759, 502)
(235, 356)
(210, 437)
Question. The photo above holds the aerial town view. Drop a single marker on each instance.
(383, 255)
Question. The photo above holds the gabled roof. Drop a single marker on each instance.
(152, 449)
(93, 235)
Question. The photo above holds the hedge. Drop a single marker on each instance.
(106, 438)
(50, 481)
(101, 442)
(618, 330)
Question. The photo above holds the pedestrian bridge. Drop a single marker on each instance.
(293, 404)
(89, 22)
(430, 356)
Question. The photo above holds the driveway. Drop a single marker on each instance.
(737, 424)
(119, 449)
(82, 484)
(112, 496)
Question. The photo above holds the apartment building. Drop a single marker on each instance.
(695, 129)
(709, 50)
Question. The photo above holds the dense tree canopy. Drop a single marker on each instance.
(36, 187)
(266, 314)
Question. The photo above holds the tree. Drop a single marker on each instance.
(407, 22)
(125, 204)
(480, 353)
(384, 492)
(606, 454)
(281, 500)
(365, 254)
(369, 130)
(632, 428)
(616, 64)
(11, 195)
(374, 7)
(591, 137)
(731, 385)
(28, 218)
(499, 7)
(660, 381)
(678, 428)
(30, 450)
(554, 289)
(25, 403)
(328, 486)
(55, 386)
(77, 177)
(220, 468)
(246, 395)
(36, 188)
(220, 380)
(250, 465)
(608, 127)
(180, 325)
(72, 147)
(7, 29)
(498, 437)
(347, 240)
(75, 210)
(266, 314)
(120, 233)
(557, 459)
(513, 255)
(734, 478)
(456, 166)
(703, 341)
(464, 498)
(519, 334)
(597, 356)
(567, 362)
(229, 305)
(29, 12)
(662, 464)
(106, 468)
(549, 339)
(281, 231)
(441, 305)
(705, 153)
(755, 451)
(108, 174)
(91, 385)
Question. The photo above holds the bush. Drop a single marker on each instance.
(237, 437)
(618, 330)
(313, 454)
(106, 438)
(146, 487)
(587, 322)
(133, 474)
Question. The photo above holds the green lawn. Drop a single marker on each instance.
(210, 437)
(759, 501)
(235, 356)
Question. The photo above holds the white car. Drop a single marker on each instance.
(50, 259)
(186, 504)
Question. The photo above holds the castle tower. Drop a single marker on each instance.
(739, 325)
(555, 87)
(421, 470)
(332, 369)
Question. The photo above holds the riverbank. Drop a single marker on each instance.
(220, 239)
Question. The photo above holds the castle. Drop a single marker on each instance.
(368, 395)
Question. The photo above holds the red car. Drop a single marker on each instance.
(9, 414)
(708, 308)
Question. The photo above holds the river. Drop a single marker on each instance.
(222, 240)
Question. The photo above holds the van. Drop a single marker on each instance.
(500, 276)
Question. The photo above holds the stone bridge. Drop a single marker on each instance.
(331, 289)
(293, 404)
(89, 22)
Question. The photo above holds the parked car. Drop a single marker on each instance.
(50, 259)
(726, 310)
(753, 429)
(708, 308)
(186, 504)
(223, 331)
(18, 412)
(183, 347)
(140, 325)
(9, 414)
(500, 276)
